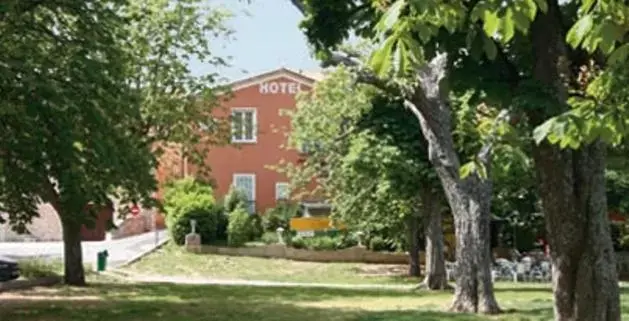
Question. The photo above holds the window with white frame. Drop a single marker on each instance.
(246, 183)
(282, 191)
(244, 124)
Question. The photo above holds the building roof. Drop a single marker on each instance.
(304, 77)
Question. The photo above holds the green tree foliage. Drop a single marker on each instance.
(370, 159)
(188, 199)
(234, 199)
(239, 230)
(88, 89)
(279, 216)
(556, 78)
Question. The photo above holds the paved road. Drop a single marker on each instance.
(120, 250)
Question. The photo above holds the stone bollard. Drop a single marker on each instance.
(360, 235)
(193, 240)
(280, 235)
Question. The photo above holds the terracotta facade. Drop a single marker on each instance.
(260, 126)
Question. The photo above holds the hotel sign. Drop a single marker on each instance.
(279, 87)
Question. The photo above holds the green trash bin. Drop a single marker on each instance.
(101, 261)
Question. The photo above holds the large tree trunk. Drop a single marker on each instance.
(435, 276)
(74, 273)
(414, 248)
(488, 303)
(465, 196)
(585, 280)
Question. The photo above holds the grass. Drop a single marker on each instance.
(40, 268)
(249, 268)
(37, 268)
(115, 301)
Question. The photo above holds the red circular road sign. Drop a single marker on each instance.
(135, 210)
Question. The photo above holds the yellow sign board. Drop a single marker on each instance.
(313, 224)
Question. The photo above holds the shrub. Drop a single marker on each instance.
(207, 225)
(346, 240)
(321, 243)
(378, 243)
(239, 229)
(270, 238)
(188, 199)
(233, 199)
(279, 216)
(298, 242)
(256, 227)
(186, 194)
(221, 225)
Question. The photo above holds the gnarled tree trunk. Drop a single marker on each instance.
(74, 274)
(467, 197)
(585, 280)
(435, 277)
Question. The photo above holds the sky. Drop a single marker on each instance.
(266, 37)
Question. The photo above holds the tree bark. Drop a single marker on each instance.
(488, 303)
(467, 197)
(435, 277)
(585, 280)
(74, 273)
(572, 183)
(414, 248)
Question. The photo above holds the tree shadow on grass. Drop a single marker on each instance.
(169, 302)
(133, 302)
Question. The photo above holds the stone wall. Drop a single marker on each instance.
(135, 225)
(46, 227)
(353, 254)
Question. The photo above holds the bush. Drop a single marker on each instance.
(188, 199)
(207, 225)
(187, 194)
(221, 225)
(321, 243)
(279, 216)
(378, 243)
(298, 242)
(239, 230)
(270, 238)
(233, 199)
(256, 227)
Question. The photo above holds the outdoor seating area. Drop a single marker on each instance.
(530, 267)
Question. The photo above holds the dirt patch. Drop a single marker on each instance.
(382, 270)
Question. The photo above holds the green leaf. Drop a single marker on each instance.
(542, 5)
(403, 58)
(609, 33)
(390, 16)
(490, 48)
(586, 5)
(578, 31)
(491, 23)
(381, 59)
(619, 55)
(507, 26)
(542, 131)
(530, 8)
(521, 21)
(467, 169)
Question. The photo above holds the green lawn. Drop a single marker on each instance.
(114, 301)
(248, 268)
